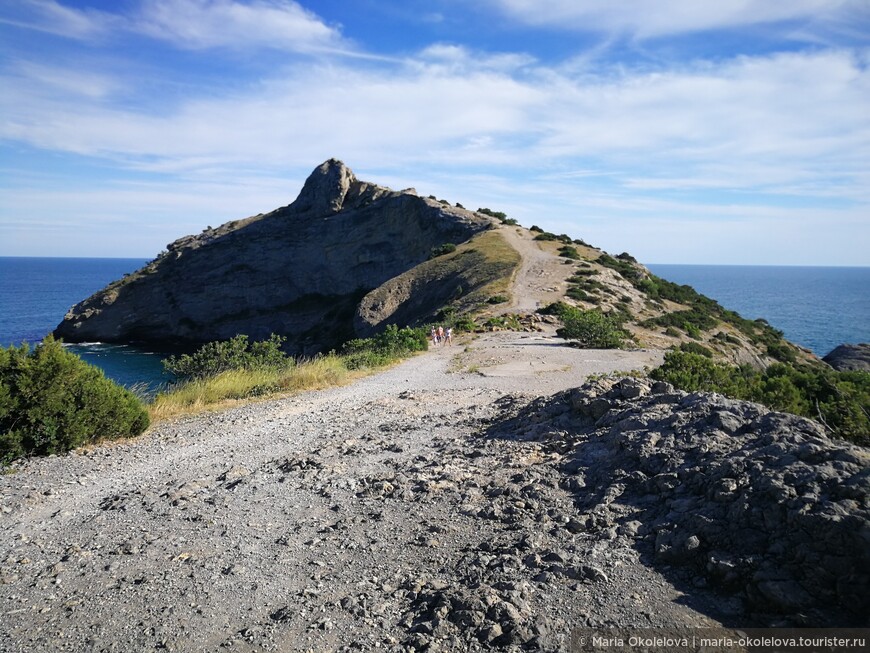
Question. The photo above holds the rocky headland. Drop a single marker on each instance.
(300, 270)
(498, 494)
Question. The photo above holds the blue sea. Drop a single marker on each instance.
(35, 294)
(817, 307)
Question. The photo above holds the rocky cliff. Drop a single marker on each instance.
(300, 270)
(850, 358)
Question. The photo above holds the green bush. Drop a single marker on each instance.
(839, 400)
(494, 214)
(51, 401)
(234, 354)
(536, 229)
(441, 250)
(696, 348)
(392, 344)
(624, 265)
(498, 299)
(556, 308)
(590, 329)
(576, 292)
(692, 321)
(546, 235)
(569, 251)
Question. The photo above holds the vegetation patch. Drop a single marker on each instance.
(692, 321)
(591, 329)
(51, 401)
(386, 347)
(237, 370)
(840, 401)
(441, 250)
(235, 354)
(624, 264)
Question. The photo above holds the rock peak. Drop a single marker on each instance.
(325, 189)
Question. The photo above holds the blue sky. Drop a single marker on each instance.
(681, 131)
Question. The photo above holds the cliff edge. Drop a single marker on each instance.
(299, 271)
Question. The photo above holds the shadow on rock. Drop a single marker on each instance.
(760, 507)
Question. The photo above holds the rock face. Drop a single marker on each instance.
(299, 271)
(850, 357)
(724, 493)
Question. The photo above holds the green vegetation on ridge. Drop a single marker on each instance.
(838, 400)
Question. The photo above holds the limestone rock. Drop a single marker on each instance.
(849, 357)
(734, 495)
(299, 271)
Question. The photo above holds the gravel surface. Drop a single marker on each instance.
(376, 515)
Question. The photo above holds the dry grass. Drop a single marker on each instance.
(235, 386)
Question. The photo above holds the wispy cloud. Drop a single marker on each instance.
(706, 123)
(275, 24)
(652, 18)
(54, 18)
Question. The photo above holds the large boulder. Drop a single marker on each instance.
(299, 271)
(850, 358)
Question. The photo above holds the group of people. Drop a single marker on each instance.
(440, 336)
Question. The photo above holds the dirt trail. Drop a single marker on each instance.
(541, 276)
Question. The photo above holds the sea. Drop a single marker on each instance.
(816, 307)
(35, 294)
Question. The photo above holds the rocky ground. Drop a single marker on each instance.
(441, 505)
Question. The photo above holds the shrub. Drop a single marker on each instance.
(393, 343)
(493, 214)
(576, 292)
(498, 299)
(536, 229)
(696, 348)
(556, 308)
(624, 266)
(237, 353)
(51, 401)
(692, 321)
(590, 329)
(441, 250)
(839, 400)
(569, 251)
(546, 235)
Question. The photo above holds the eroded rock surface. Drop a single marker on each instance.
(761, 505)
(299, 271)
(849, 357)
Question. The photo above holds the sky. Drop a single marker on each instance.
(680, 131)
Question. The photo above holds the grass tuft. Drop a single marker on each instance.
(197, 395)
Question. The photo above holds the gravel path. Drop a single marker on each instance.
(375, 515)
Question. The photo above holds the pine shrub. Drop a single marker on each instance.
(51, 401)
(237, 353)
(590, 329)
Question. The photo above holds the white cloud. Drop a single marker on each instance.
(200, 24)
(651, 18)
(54, 18)
(747, 123)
